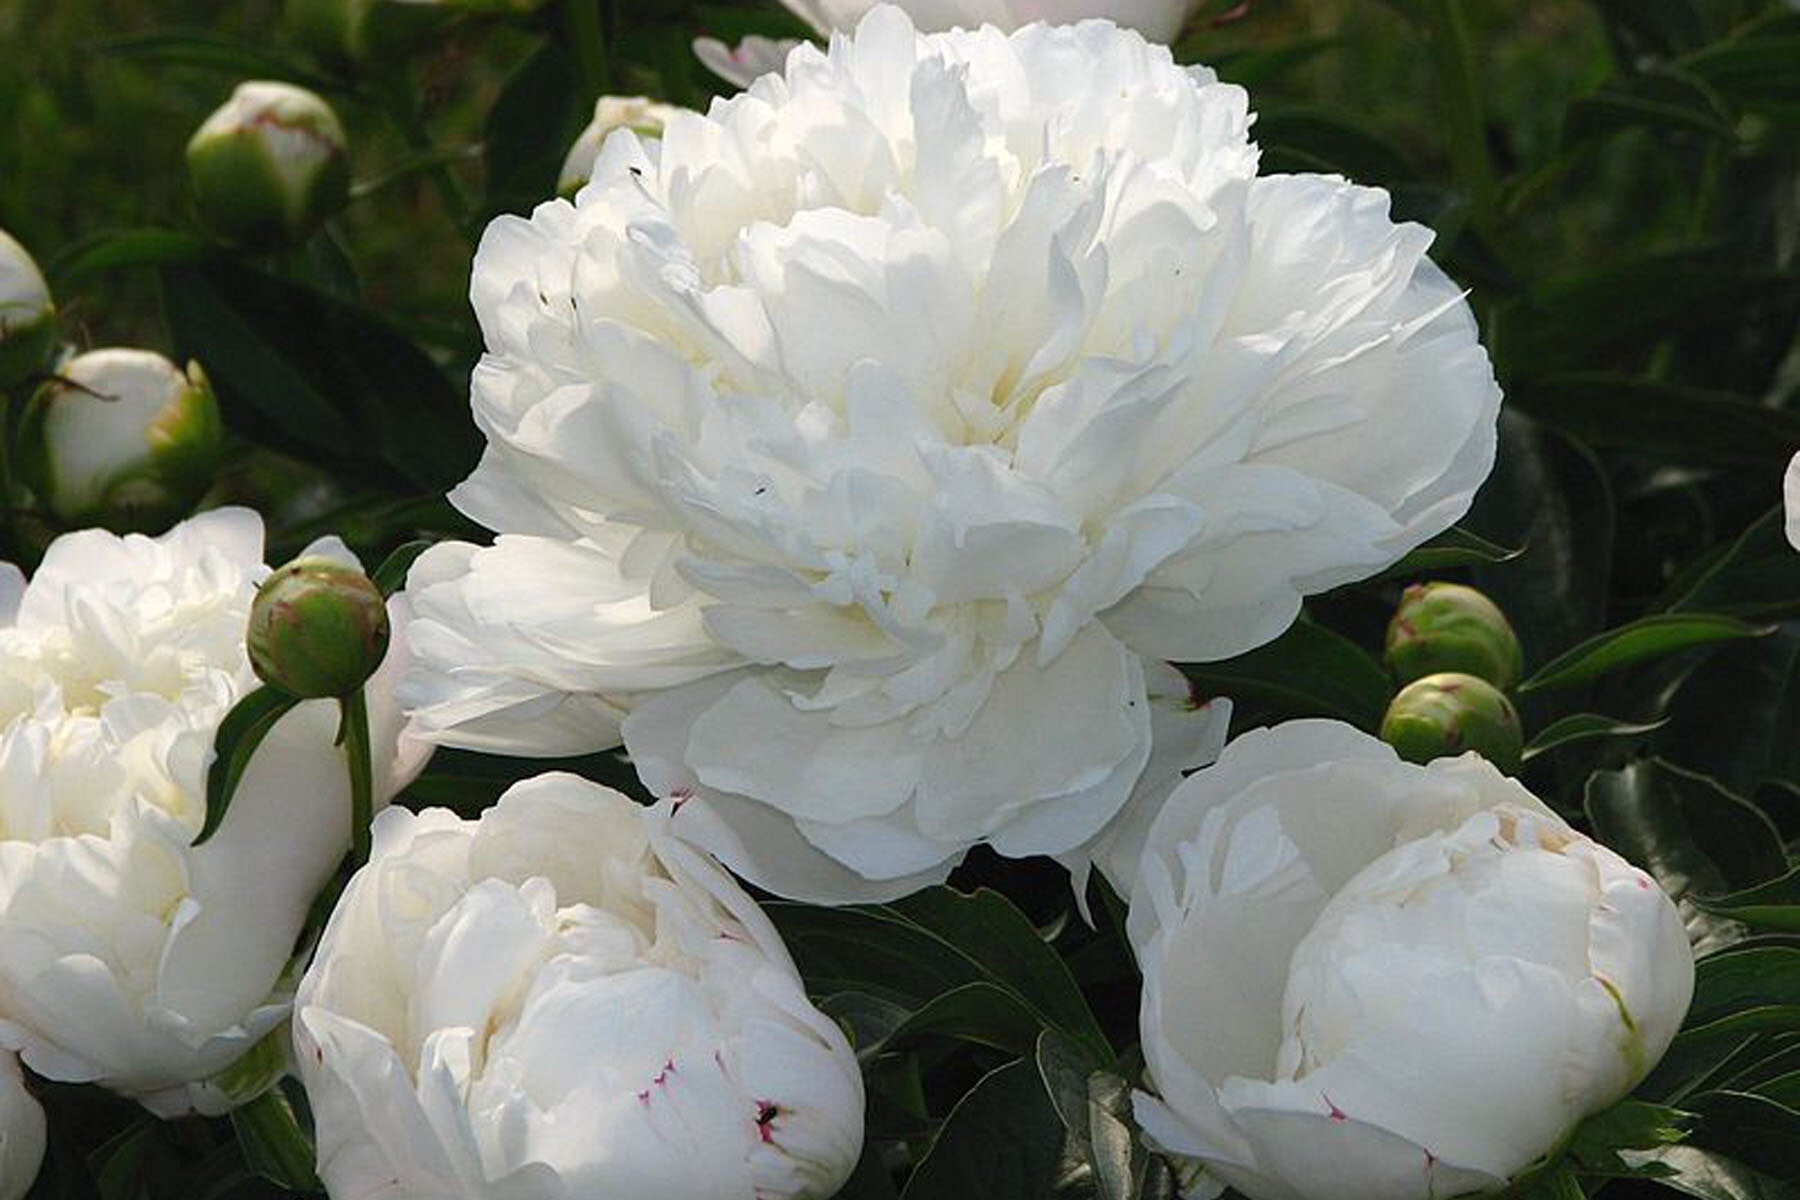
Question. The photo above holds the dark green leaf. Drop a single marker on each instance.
(1713, 1176)
(240, 733)
(1627, 1125)
(126, 248)
(390, 576)
(1756, 73)
(1299, 138)
(1643, 640)
(1773, 906)
(1678, 423)
(975, 1012)
(1756, 574)
(1002, 1141)
(1308, 671)
(1744, 978)
(319, 378)
(1689, 832)
(1455, 547)
(1759, 1132)
(1581, 727)
(1095, 1108)
(1750, 740)
(1662, 100)
(210, 50)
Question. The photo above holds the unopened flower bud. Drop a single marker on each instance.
(640, 114)
(1449, 627)
(121, 438)
(355, 33)
(1445, 714)
(269, 165)
(27, 317)
(318, 627)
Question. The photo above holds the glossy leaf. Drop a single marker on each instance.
(1773, 906)
(1641, 641)
(1002, 1141)
(1582, 727)
(1307, 672)
(240, 733)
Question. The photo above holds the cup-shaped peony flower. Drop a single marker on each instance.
(1370, 980)
(27, 316)
(1158, 20)
(867, 445)
(1448, 713)
(1452, 627)
(318, 627)
(640, 114)
(122, 438)
(128, 956)
(560, 1000)
(269, 165)
(22, 1132)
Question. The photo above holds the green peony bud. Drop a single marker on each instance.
(1446, 714)
(318, 627)
(640, 114)
(356, 33)
(121, 438)
(269, 165)
(1449, 627)
(27, 317)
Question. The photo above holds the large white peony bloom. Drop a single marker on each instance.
(558, 1001)
(863, 445)
(129, 957)
(1368, 980)
(1158, 20)
(1790, 499)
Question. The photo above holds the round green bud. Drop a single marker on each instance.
(27, 317)
(318, 627)
(269, 165)
(121, 438)
(1445, 714)
(1449, 627)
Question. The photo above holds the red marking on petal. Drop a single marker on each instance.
(1336, 1113)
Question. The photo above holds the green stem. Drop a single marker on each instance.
(362, 774)
(397, 102)
(589, 40)
(274, 1145)
(1458, 90)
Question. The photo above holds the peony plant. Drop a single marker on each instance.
(860, 451)
(128, 956)
(1370, 980)
(561, 1000)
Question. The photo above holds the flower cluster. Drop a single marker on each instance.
(862, 455)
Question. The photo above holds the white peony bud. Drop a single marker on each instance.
(128, 956)
(21, 1131)
(641, 115)
(269, 165)
(27, 317)
(560, 1000)
(122, 438)
(1368, 980)
(861, 450)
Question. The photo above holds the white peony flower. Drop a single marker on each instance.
(1790, 496)
(858, 449)
(21, 1131)
(638, 113)
(1158, 20)
(560, 1000)
(269, 164)
(129, 957)
(1367, 980)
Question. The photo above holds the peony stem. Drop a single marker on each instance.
(362, 774)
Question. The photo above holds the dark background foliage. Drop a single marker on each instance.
(1617, 182)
